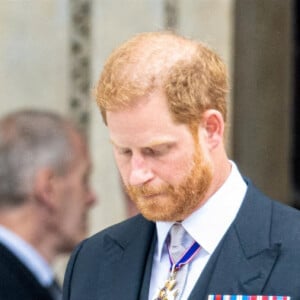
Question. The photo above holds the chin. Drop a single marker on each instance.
(160, 213)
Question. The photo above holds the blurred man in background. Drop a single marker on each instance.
(44, 200)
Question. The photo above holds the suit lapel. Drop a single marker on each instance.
(242, 262)
(128, 255)
(144, 294)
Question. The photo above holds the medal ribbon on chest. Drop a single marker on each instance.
(168, 291)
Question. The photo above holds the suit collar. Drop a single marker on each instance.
(245, 257)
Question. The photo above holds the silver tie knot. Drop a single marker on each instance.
(176, 247)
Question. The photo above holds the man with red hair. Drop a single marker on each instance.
(204, 230)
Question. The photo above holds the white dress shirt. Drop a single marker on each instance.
(207, 226)
(28, 256)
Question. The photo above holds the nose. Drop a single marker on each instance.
(140, 172)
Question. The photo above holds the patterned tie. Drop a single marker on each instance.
(182, 249)
(177, 250)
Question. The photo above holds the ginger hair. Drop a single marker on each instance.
(191, 75)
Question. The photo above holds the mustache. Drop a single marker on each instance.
(145, 190)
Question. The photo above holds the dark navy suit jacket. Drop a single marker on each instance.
(259, 255)
(16, 281)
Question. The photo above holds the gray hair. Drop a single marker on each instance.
(31, 140)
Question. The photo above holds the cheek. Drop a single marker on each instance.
(70, 202)
(176, 169)
(71, 219)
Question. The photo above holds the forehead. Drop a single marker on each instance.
(146, 122)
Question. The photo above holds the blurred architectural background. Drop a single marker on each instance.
(52, 51)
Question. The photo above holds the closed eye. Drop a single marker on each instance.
(157, 150)
(123, 151)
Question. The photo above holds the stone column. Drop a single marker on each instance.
(262, 93)
(80, 61)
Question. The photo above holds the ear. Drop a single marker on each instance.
(213, 126)
(44, 187)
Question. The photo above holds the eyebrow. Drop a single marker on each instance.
(155, 143)
(160, 143)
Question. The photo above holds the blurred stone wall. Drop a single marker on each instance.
(33, 54)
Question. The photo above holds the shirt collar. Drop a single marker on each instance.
(27, 255)
(208, 224)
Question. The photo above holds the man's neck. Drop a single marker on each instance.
(25, 223)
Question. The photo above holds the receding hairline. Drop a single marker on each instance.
(142, 62)
(191, 74)
(154, 53)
